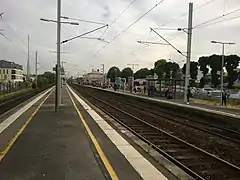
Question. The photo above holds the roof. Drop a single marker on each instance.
(10, 65)
(95, 73)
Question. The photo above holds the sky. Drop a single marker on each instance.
(21, 19)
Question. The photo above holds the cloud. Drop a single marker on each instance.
(21, 19)
(107, 14)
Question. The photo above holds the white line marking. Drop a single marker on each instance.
(7, 122)
(146, 170)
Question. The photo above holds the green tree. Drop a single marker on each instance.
(126, 72)
(160, 68)
(171, 70)
(152, 71)
(142, 73)
(193, 69)
(42, 81)
(203, 63)
(113, 72)
(231, 64)
(50, 76)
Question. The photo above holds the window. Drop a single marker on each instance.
(13, 76)
(5, 76)
(13, 71)
(3, 71)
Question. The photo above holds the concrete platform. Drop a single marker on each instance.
(75, 143)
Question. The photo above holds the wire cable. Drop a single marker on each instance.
(118, 17)
(184, 14)
(168, 42)
(6, 37)
(216, 18)
(218, 22)
(14, 31)
(132, 24)
(81, 20)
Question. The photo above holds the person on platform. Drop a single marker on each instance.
(224, 97)
(115, 87)
(144, 89)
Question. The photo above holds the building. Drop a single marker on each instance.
(94, 78)
(10, 72)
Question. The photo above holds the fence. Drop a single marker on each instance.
(6, 88)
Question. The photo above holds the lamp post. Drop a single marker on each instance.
(223, 46)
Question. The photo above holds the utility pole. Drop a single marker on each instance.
(36, 68)
(28, 63)
(133, 65)
(189, 44)
(58, 66)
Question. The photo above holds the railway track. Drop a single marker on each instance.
(219, 131)
(216, 130)
(199, 163)
(11, 103)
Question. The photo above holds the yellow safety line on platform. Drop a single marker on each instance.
(19, 132)
(95, 142)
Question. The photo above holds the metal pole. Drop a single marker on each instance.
(189, 43)
(36, 68)
(58, 83)
(28, 66)
(222, 73)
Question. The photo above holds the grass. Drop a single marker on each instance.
(234, 103)
(12, 94)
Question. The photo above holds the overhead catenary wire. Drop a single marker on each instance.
(132, 24)
(216, 18)
(16, 34)
(6, 37)
(70, 39)
(184, 14)
(14, 31)
(82, 20)
(218, 22)
(168, 42)
(131, 3)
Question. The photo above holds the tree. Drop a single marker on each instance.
(171, 70)
(50, 77)
(203, 64)
(42, 81)
(215, 62)
(160, 68)
(231, 64)
(142, 73)
(127, 72)
(152, 71)
(113, 72)
(193, 69)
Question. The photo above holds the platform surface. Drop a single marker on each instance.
(57, 146)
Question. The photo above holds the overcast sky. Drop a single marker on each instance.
(21, 18)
